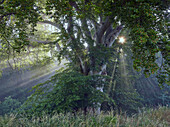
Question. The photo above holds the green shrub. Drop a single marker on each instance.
(9, 105)
(66, 91)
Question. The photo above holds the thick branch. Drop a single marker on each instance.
(2, 1)
(96, 25)
(47, 42)
(49, 22)
(58, 47)
(70, 25)
(85, 28)
(70, 28)
(113, 35)
(112, 77)
(101, 31)
(82, 64)
(108, 31)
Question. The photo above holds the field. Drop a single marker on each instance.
(159, 117)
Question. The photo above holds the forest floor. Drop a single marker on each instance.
(159, 117)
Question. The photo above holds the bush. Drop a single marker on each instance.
(66, 91)
(9, 105)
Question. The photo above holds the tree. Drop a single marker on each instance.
(87, 30)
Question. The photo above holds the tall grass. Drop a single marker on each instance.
(148, 118)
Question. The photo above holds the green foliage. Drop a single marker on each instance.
(151, 93)
(9, 105)
(67, 91)
(81, 22)
(100, 55)
(145, 18)
(127, 101)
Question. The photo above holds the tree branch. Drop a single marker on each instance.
(58, 47)
(70, 28)
(50, 22)
(70, 25)
(39, 41)
(113, 35)
(103, 28)
(82, 64)
(7, 14)
(2, 1)
(85, 28)
(47, 42)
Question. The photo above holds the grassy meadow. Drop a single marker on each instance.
(159, 117)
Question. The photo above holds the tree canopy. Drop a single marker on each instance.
(86, 30)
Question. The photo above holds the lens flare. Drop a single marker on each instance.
(121, 40)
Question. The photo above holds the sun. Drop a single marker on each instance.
(121, 40)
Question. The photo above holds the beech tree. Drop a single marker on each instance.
(87, 30)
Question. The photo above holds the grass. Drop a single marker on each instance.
(159, 117)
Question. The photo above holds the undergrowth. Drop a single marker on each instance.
(159, 117)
